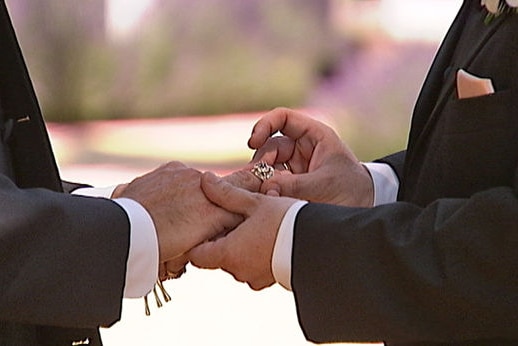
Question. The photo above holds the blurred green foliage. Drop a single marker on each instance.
(184, 58)
(222, 56)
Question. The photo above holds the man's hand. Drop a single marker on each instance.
(182, 215)
(246, 252)
(324, 169)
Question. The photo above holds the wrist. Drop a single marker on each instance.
(117, 192)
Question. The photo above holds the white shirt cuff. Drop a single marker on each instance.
(282, 251)
(385, 180)
(142, 268)
(142, 263)
(105, 192)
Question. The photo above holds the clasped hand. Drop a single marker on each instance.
(323, 170)
(182, 215)
(224, 222)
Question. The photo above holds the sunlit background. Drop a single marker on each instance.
(128, 84)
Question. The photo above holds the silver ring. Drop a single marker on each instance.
(263, 171)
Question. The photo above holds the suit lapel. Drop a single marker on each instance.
(465, 61)
(434, 80)
(33, 160)
(441, 81)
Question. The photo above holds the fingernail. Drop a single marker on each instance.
(273, 193)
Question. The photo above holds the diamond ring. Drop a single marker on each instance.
(263, 171)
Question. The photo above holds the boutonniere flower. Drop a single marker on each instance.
(495, 8)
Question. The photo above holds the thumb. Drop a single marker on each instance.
(208, 255)
(289, 185)
(305, 186)
(226, 195)
(278, 185)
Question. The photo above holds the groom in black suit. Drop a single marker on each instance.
(66, 261)
(438, 265)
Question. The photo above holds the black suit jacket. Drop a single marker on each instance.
(440, 266)
(62, 257)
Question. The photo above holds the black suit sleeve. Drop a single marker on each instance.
(396, 161)
(63, 258)
(400, 272)
(70, 187)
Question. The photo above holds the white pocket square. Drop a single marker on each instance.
(469, 85)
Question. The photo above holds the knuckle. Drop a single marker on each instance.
(226, 188)
(245, 179)
(192, 172)
(173, 164)
(281, 109)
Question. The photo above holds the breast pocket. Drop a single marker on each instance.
(482, 113)
(479, 140)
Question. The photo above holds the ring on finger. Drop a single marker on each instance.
(263, 171)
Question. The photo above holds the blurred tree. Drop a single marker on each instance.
(185, 57)
(57, 36)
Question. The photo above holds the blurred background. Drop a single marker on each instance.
(128, 84)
